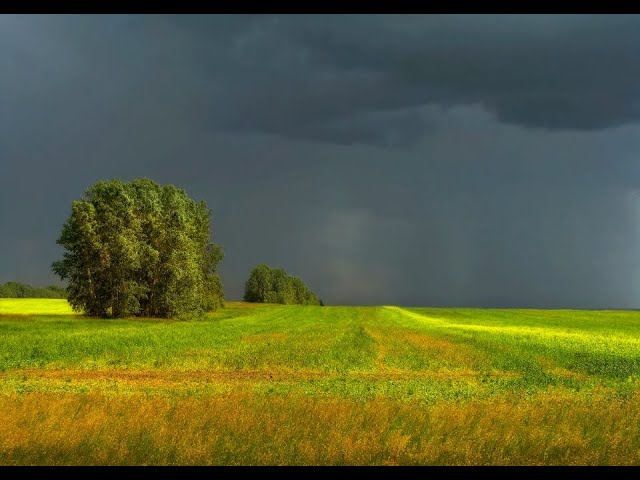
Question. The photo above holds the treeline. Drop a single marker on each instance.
(274, 285)
(22, 290)
(143, 249)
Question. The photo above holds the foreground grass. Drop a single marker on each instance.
(551, 428)
(320, 385)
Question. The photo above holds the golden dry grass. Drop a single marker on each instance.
(555, 427)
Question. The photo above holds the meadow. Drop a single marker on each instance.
(257, 384)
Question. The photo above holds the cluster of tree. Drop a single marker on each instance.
(139, 249)
(22, 290)
(274, 285)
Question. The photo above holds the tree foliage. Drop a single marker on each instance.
(274, 285)
(139, 249)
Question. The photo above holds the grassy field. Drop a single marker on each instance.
(267, 384)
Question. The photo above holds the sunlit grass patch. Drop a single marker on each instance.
(34, 306)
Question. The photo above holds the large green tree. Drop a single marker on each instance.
(274, 285)
(139, 248)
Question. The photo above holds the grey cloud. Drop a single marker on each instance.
(574, 72)
(559, 72)
(513, 185)
(342, 79)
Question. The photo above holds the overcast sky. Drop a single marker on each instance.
(419, 160)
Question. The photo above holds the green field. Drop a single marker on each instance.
(275, 384)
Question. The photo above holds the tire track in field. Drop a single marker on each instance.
(175, 377)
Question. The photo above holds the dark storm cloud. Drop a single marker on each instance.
(349, 78)
(578, 72)
(307, 75)
(445, 160)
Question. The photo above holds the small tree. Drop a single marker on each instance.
(258, 286)
(139, 248)
(267, 285)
